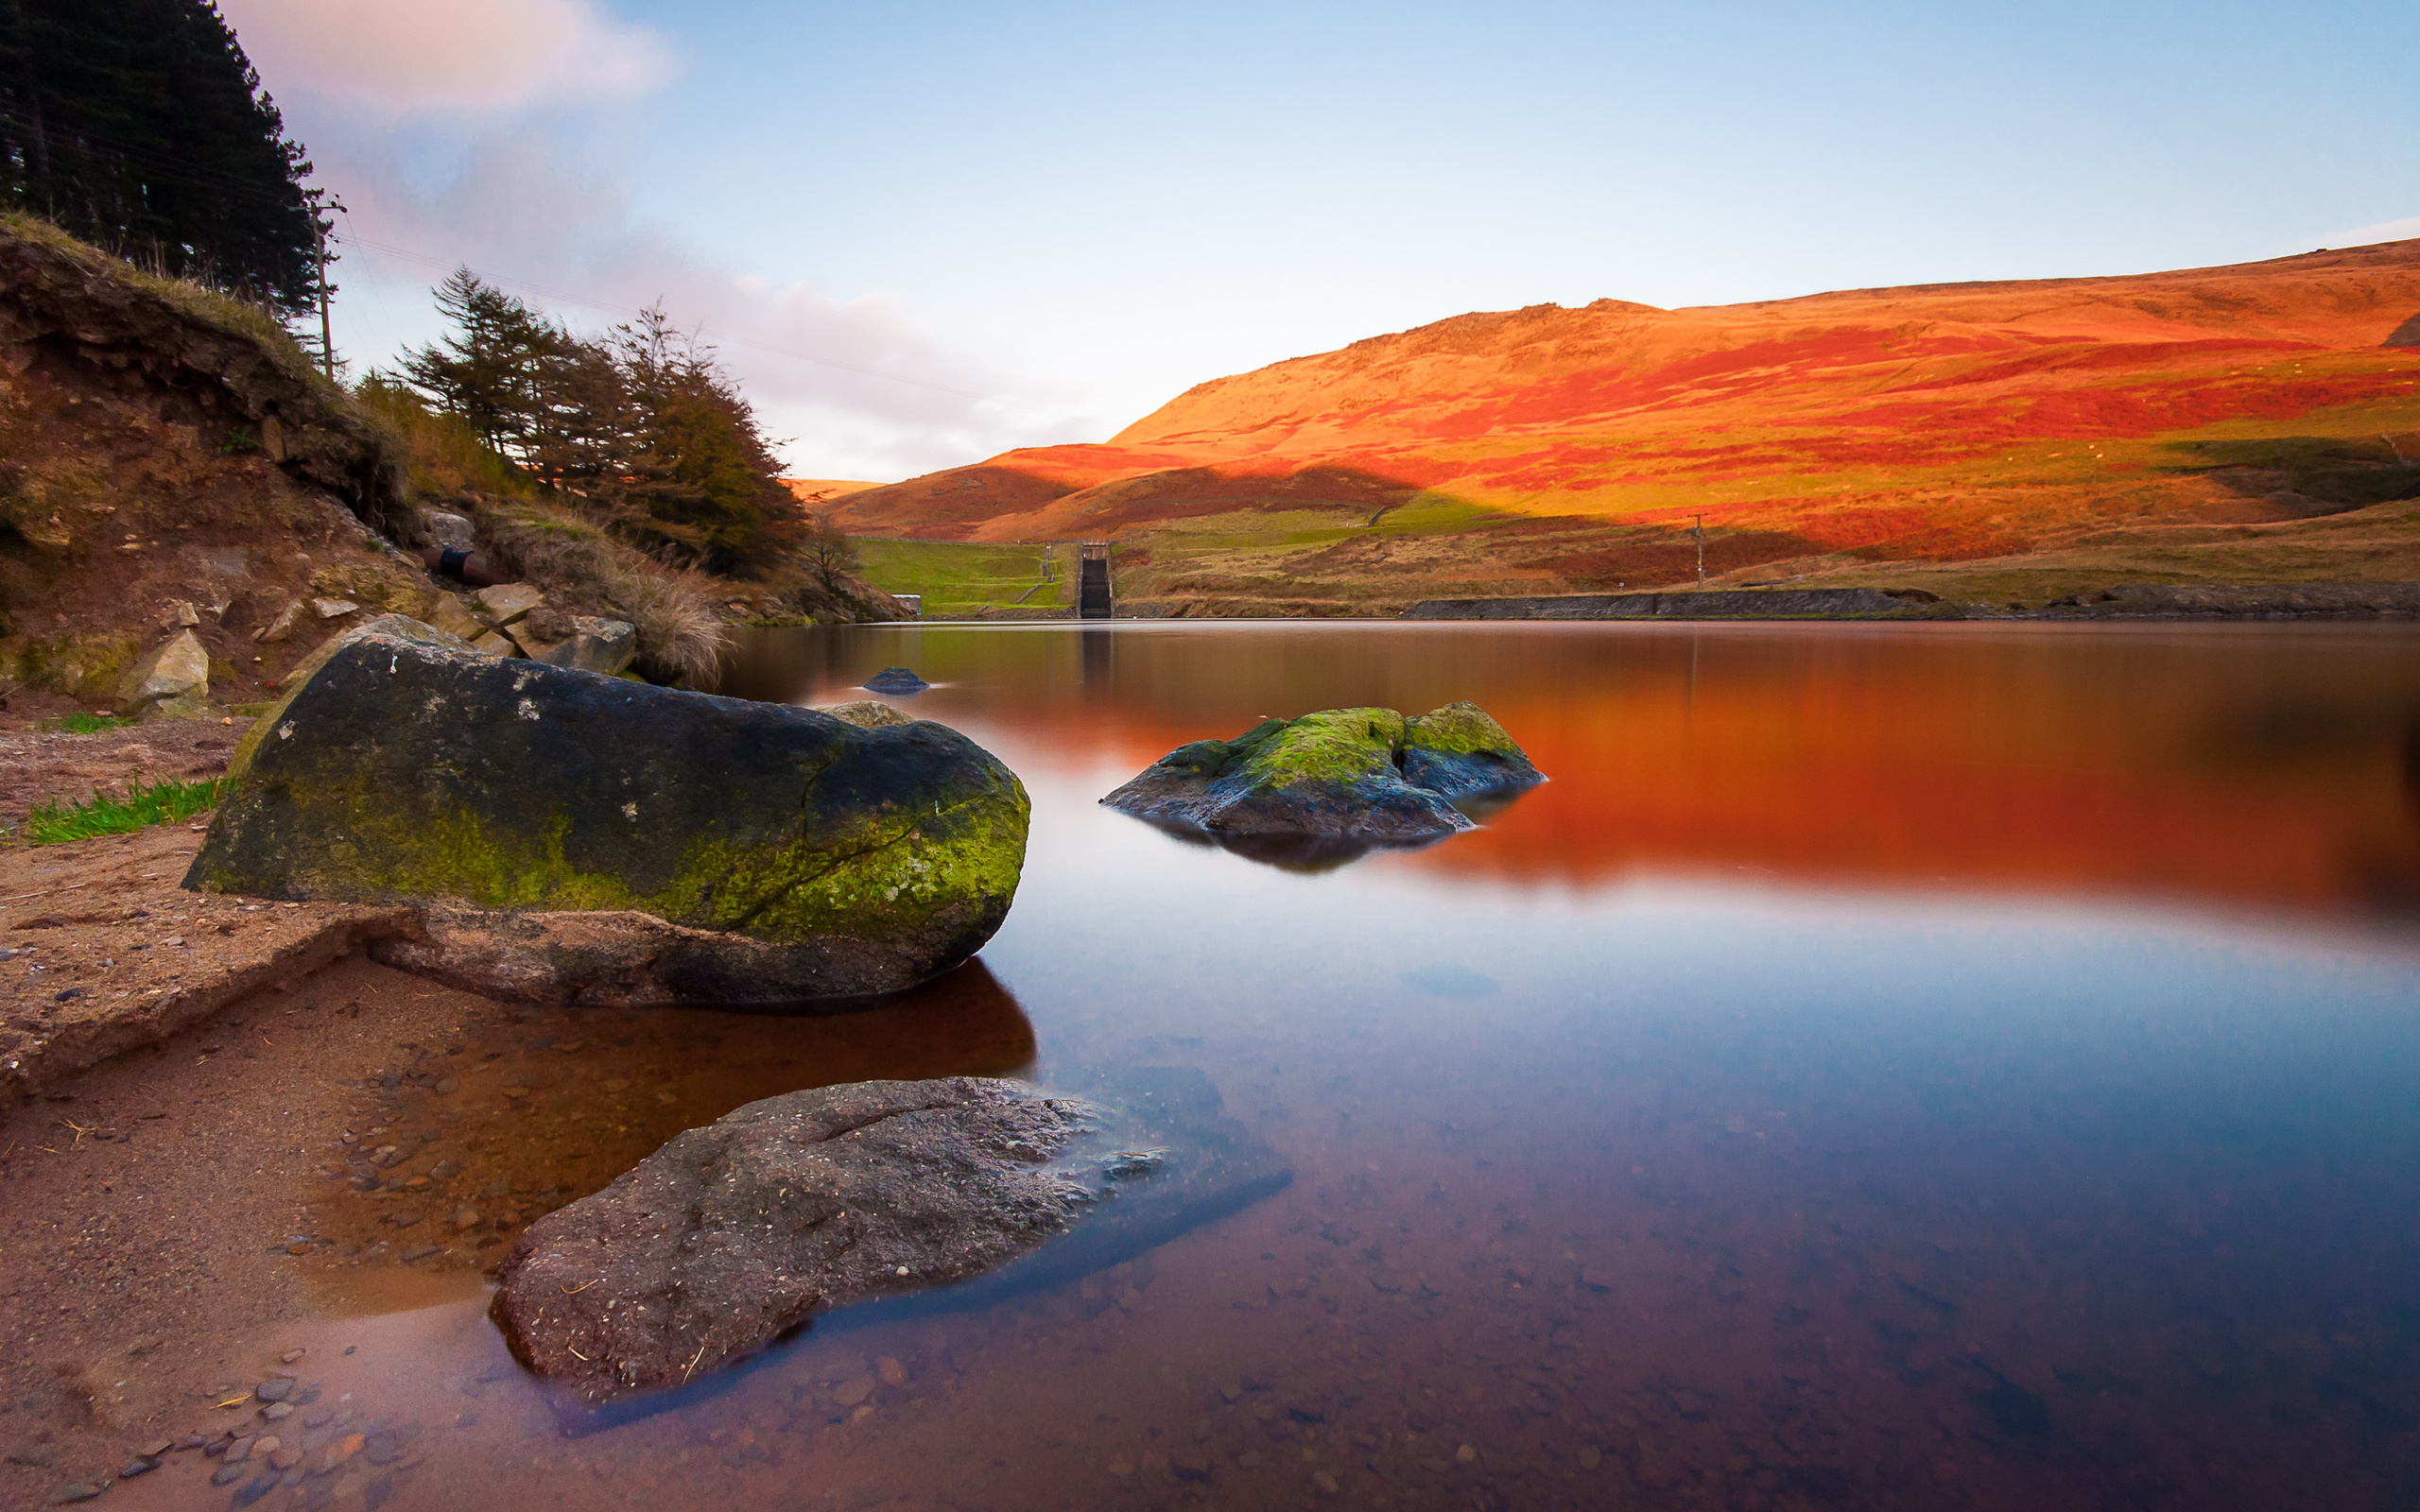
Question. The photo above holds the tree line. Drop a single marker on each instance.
(640, 428)
(141, 126)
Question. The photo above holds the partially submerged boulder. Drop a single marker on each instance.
(733, 1236)
(691, 848)
(1366, 775)
(895, 680)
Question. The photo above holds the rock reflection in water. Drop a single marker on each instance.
(529, 1109)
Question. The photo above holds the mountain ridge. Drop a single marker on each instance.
(1925, 425)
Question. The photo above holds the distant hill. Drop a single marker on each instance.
(815, 492)
(2256, 421)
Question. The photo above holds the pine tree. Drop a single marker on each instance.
(141, 126)
(643, 430)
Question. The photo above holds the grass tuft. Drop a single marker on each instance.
(80, 723)
(166, 801)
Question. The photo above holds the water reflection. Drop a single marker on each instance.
(1891, 1067)
(2269, 766)
(529, 1109)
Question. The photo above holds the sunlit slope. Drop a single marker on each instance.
(2108, 424)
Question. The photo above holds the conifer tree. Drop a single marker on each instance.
(141, 126)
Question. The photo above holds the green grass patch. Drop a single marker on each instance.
(166, 801)
(80, 723)
(961, 577)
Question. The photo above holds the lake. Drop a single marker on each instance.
(1885, 1066)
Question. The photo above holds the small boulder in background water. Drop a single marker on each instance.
(895, 680)
(1365, 775)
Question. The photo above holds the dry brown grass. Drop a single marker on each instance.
(584, 571)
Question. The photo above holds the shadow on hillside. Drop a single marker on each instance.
(2406, 335)
(2338, 472)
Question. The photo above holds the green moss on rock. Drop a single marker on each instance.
(1339, 772)
(406, 769)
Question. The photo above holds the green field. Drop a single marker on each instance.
(971, 578)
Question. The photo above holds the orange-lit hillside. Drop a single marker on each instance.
(1549, 449)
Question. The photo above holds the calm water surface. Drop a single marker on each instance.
(1886, 1067)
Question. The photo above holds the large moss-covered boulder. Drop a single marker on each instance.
(581, 837)
(1358, 774)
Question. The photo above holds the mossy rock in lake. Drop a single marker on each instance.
(690, 848)
(1358, 774)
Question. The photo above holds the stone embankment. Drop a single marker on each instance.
(2247, 601)
(1765, 604)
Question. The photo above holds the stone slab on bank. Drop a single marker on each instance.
(102, 953)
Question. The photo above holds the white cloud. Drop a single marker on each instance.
(428, 54)
(856, 385)
(2385, 230)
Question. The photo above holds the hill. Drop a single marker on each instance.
(2255, 423)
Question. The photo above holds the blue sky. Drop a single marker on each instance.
(999, 227)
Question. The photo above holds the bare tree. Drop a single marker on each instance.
(828, 552)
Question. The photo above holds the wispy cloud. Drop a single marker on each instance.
(381, 92)
(857, 385)
(2385, 230)
(449, 55)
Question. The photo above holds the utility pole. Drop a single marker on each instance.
(1699, 531)
(327, 341)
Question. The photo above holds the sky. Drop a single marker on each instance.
(921, 234)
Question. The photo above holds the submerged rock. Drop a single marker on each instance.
(1361, 775)
(753, 852)
(734, 1235)
(895, 679)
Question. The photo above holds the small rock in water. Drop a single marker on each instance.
(419, 1253)
(466, 1217)
(289, 1357)
(895, 679)
(891, 1371)
(276, 1410)
(275, 1389)
(75, 1491)
(136, 1467)
(1120, 1164)
(230, 1474)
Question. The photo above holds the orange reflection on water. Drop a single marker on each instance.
(1840, 784)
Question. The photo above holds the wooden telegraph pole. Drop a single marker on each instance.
(327, 341)
(1699, 531)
